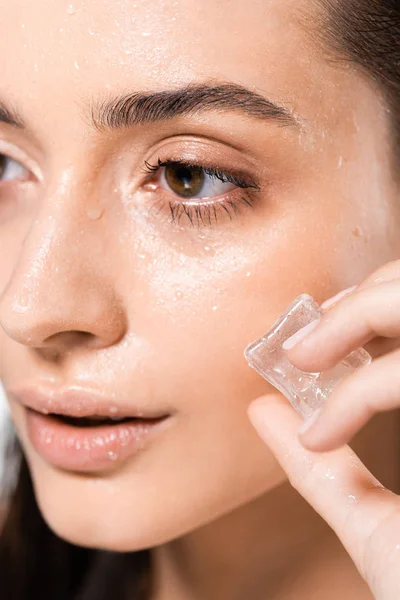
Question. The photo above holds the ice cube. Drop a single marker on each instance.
(305, 391)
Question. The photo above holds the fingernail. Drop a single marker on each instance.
(309, 422)
(338, 296)
(300, 335)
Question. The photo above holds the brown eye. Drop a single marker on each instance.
(184, 180)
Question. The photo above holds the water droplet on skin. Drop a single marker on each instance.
(112, 455)
(145, 34)
(71, 10)
(329, 474)
(94, 212)
(340, 162)
(113, 410)
(248, 273)
(76, 65)
(215, 308)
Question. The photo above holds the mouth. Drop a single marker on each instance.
(80, 431)
(94, 421)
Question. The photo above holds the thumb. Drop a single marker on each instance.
(336, 484)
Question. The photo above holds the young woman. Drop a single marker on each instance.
(172, 175)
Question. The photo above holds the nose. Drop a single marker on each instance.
(62, 293)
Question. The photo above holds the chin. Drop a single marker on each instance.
(139, 523)
(100, 538)
(96, 529)
(148, 504)
(96, 514)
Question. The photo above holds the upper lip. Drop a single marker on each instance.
(80, 402)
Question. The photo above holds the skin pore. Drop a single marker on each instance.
(104, 286)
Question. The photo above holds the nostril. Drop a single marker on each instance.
(57, 346)
(64, 340)
(50, 354)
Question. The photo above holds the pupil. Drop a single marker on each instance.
(2, 165)
(186, 182)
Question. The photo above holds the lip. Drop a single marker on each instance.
(80, 402)
(86, 448)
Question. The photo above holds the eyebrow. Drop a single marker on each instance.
(140, 108)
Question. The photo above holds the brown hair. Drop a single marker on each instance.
(367, 32)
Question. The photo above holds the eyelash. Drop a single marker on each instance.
(204, 214)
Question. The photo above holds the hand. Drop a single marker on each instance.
(364, 515)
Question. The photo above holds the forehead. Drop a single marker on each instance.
(77, 46)
(61, 55)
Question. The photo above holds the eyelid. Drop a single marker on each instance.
(201, 151)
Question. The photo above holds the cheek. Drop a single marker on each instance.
(199, 303)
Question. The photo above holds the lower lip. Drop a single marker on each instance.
(88, 448)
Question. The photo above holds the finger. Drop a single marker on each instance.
(356, 319)
(336, 484)
(380, 345)
(375, 388)
(386, 272)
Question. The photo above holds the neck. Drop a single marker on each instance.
(273, 547)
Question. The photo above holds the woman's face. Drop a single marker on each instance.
(142, 284)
